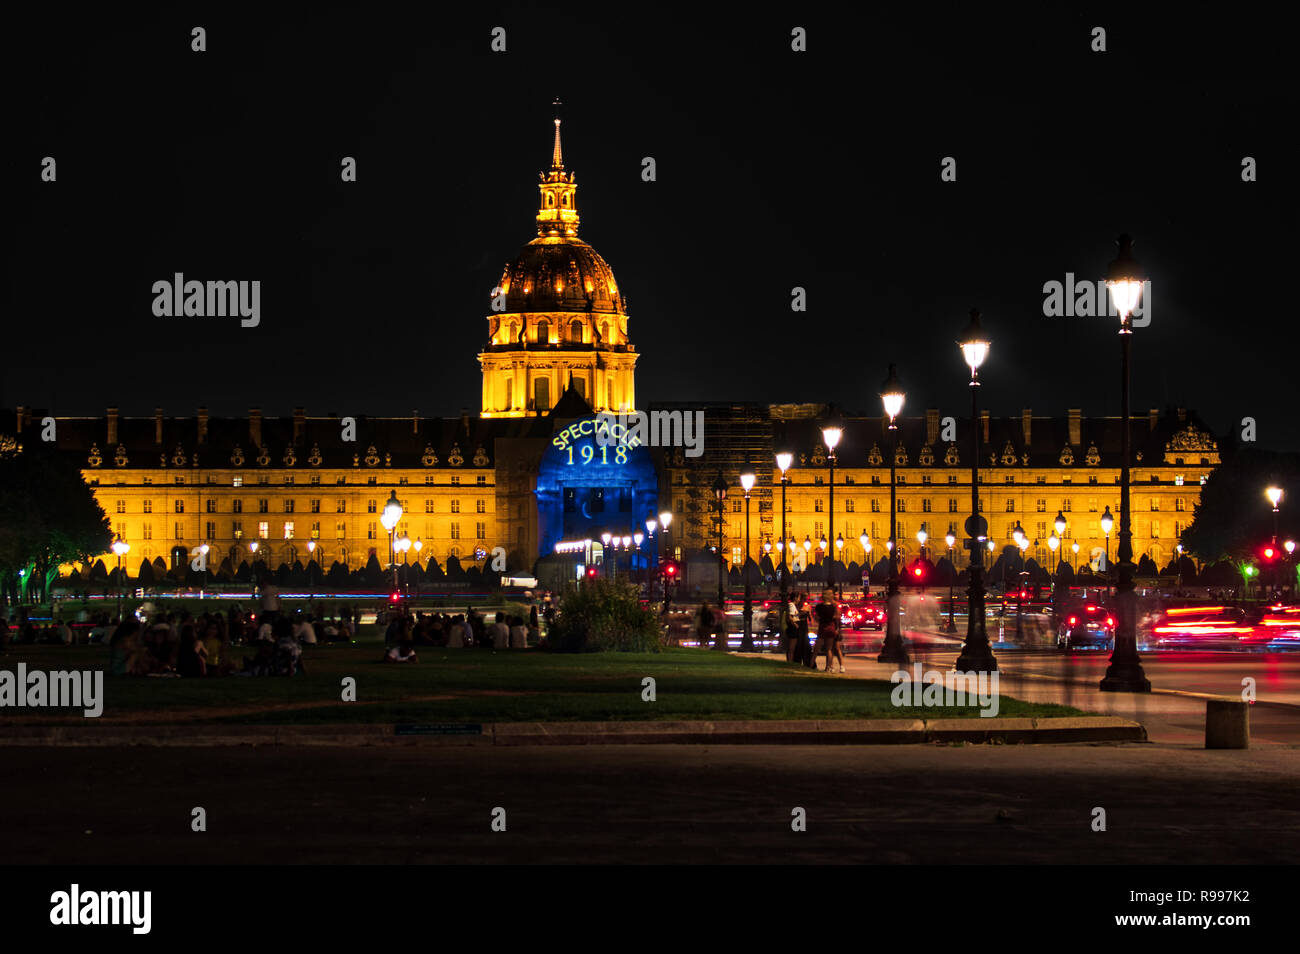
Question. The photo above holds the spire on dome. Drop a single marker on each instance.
(557, 215)
(557, 158)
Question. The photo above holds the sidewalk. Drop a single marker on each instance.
(810, 732)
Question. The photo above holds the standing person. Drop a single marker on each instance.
(804, 615)
(827, 614)
(704, 624)
(534, 626)
(793, 648)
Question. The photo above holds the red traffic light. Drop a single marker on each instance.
(591, 571)
(670, 569)
(917, 571)
(393, 597)
(1269, 553)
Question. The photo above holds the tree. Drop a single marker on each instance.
(1233, 518)
(48, 517)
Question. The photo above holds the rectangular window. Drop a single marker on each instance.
(952, 478)
(952, 508)
(341, 506)
(428, 506)
(1042, 506)
(372, 506)
(480, 530)
(340, 530)
(875, 506)
(1011, 506)
(480, 506)
(236, 528)
(428, 479)
(121, 506)
(236, 506)
(180, 506)
(179, 531)
(146, 531)
(1155, 529)
(237, 482)
(315, 480)
(819, 506)
(1065, 506)
(455, 506)
(848, 506)
(481, 480)
(264, 506)
(1179, 504)
(455, 531)
(925, 506)
(288, 530)
(315, 531)
(370, 530)
(315, 506)
(264, 530)
(1155, 505)
(289, 480)
(288, 506)
(148, 506)
(212, 505)
(902, 505)
(925, 478)
(455, 480)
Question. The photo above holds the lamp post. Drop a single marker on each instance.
(866, 562)
(976, 655)
(831, 434)
(807, 546)
(1107, 522)
(1125, 672)
(950, 538)
(651, 525)
(747, 641)
(783, 461)
(892, 651)
(121, 548)
(720, 492)
(1022, 542)
(637, 539)
(401, 544)
(389, 518)
(1074, 548)
(1053, 543)
(311, 558)
(1274, 495)
(606, 551)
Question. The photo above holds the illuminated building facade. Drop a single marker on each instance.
(528, 472)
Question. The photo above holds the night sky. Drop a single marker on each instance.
(775, 169)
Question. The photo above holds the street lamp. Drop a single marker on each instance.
(747, 641)
(832, 431)
(892, 651)
(1074, 548)
(720, 492)
(611, 568)
(1107, 522)
(807, 546)
(950, 538)
(1125, 673)
(976, 656)
(389, 518)
(121, 548)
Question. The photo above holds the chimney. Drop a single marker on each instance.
(19, 418)
(415, 420)
(112, 425)
(984, 425)
(255, 426)
(157, 425)
(1153, 417)
(1027, 423)
(1076, 425)
(931, 425)
(203, 424)
(299, 423)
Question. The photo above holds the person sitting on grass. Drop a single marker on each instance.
(286, 659)
(499, 633)
(518, 633)
(123, 646)
(191, 656)
(401, 652)
(456, 635)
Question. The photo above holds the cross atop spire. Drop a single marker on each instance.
(557, 159)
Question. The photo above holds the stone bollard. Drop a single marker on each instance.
(1227, 724)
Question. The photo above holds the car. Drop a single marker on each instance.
(1200, 627)
(862, 616)
(1087, 626)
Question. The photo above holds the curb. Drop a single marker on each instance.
(801, 732)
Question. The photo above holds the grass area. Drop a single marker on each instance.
(477, 686)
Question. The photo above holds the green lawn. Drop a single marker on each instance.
(477, 686)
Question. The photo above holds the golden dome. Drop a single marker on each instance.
(560, 274)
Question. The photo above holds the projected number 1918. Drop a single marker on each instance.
(587, 454)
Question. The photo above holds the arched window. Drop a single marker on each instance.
(575, 331)
(550, 200)
(604, 332)
(543, 332)
(512, 332)
(542, 394)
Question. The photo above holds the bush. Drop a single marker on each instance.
(604, 616)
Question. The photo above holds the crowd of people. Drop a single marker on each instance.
(810, 630)
(404, 632)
